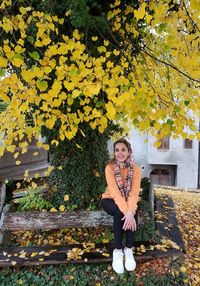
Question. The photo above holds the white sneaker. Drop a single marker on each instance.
(117, 263)
(130, 263)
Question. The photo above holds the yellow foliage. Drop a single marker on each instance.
(147, 83)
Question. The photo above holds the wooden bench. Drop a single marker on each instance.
(76, 253)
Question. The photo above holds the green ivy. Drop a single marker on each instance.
(83, 162)
(147, 231)
(84, 275)
(145, 185)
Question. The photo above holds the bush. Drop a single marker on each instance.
(147, 231)
(33, 201)
(84, 275)
(145, 185)
(79, 168)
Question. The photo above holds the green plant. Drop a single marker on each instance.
(84, 275)
(79, 168)
(145, 185)
(146, 231)
(33, 201)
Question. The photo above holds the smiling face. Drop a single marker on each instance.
(121, 152)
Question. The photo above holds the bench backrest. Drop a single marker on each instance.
(54, 220)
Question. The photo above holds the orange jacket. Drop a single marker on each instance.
(113, 192)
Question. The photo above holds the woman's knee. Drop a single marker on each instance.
(110, 206)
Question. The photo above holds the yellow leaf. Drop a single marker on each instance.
(53, 210)
(66, 198)
(78, 146)
(60, 168)
(18, 185)
(101, 49)
(24, 10)
(76, 35)
(41, 259)
(3, 62)
(94, 38)
(46, 147)
(115, 52)
(34, 185)
(18, 162)
(20, 282)
(111, 111)
(11, 148)
(182, 269)
(109, 64)
(26, 174)
(54, 142)
(62, 208)
(33, 254)
(140, 13)
(105, 254)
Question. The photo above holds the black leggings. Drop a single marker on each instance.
(112, 209)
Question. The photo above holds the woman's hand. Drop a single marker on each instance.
(129, 221)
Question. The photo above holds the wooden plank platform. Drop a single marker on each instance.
(91, 253)
(33, 220)
(54, 220)
(166, 221)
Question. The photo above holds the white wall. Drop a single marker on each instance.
(184, 161)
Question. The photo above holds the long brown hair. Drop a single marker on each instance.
(125, 142)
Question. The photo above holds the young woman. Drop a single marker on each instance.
(120, 200)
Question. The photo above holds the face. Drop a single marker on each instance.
(121, 152)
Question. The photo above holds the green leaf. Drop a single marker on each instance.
(167, 48)
(170, 122)
(30, 39)
(177, 108)
(162, 27)
(42, 84)
(186, 102)
(18, 56)
(152, 123)
(35, 55)
(2, 72)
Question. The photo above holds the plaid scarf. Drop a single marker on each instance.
(124, 188)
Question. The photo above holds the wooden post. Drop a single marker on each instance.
(151, 198)
(2, 201)
(4, 210)
(2, 195)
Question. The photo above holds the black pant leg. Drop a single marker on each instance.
(111, 208)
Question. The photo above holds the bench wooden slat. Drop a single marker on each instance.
(2, 195)
(59, 255)
(161, 224)
(175, 233)
(53, 220)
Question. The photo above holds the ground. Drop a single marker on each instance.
(157, 272)
(187, 205)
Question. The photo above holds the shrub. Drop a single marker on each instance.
(147, 231)
(145, 185)
(33, 201)
(79, 168)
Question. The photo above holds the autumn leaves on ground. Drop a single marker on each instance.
(187, 205)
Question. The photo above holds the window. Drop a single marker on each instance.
(164, 143)
(188, 144)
